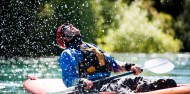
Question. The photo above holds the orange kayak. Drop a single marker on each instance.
(42, 86)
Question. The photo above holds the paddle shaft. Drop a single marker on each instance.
(113, 77)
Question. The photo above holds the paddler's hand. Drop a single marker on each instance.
(88, 83)
(136, 69)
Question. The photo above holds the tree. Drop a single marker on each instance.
(136, 33)
(182, 27)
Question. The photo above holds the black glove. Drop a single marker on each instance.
(127, 66)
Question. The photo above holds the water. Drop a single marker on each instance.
(13, 71)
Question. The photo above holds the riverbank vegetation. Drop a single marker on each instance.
(136, 26)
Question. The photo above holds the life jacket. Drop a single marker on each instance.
(93, 61)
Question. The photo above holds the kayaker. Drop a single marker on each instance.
(83, 62)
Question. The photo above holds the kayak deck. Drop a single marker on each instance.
(181, 89)
(42, 86)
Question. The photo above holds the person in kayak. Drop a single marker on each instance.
(83, 62)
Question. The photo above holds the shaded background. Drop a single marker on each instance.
(28, 28)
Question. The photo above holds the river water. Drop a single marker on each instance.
(13, 71)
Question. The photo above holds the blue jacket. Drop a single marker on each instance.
(68, 61)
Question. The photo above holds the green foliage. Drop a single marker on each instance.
(29, 27)
(47, 11)
(182, 27)
(164, 22)
(79, 13)
(137, 34)
(126, 26)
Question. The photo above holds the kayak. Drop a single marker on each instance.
(42, 86)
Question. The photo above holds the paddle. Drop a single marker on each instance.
(158, 65)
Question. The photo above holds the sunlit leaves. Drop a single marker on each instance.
(137, 34)
(47, 10)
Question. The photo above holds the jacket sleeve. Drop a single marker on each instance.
(114, 65)
(68, 62)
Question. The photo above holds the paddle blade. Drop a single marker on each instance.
(159, 65)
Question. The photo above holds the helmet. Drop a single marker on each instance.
(61, 36)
